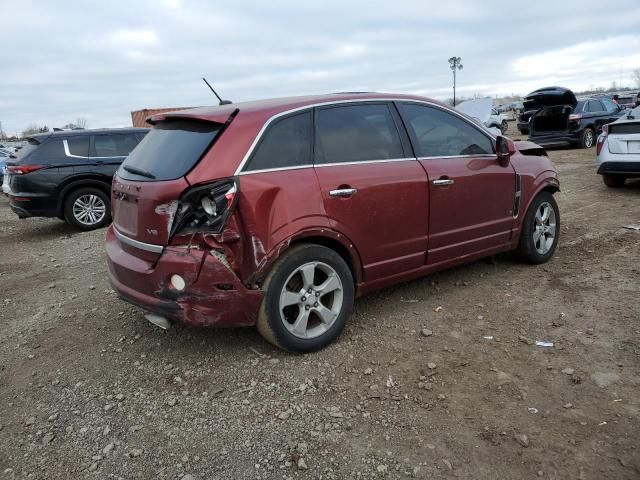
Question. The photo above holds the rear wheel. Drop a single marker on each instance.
(614, 181)
(540, 230)
(87, 208)
(308, 296)
(588, 137)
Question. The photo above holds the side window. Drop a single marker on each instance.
(79, 146)
(594, 106)
(114, 145)
(610, 106)
(51, 151)
(437, 133)
(286, 143)
(356, 133)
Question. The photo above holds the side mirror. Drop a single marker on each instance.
(504, 149)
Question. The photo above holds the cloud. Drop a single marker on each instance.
(139, 38)
(101, 59)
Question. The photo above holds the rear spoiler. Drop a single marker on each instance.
(220, 114)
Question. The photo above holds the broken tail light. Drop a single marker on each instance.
(23, 169)
(205, 208)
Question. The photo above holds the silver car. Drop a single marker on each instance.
(618, 150)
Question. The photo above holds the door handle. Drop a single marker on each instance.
(343, 192)
(443, 182)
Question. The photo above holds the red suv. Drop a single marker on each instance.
(280, 212)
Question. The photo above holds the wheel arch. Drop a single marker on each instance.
(74, 183)
(325, 237)
(546, 182)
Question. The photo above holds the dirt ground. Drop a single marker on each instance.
(89, 389)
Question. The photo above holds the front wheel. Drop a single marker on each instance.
(87, 208)
(540, 230)
(308, 296)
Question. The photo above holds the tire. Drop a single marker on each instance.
(87, 208)
(588, 138)
(504, 127)
(282, 323)
(614, 181)
(536, 230)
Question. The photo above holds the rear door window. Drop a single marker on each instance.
(436, 133)
(286, 143)
(170, 150)
(356, 133)
(594, 106)
(114, 145)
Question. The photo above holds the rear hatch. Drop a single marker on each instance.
(148, 186)
(20, 161)
(552, 106)
(624, 137)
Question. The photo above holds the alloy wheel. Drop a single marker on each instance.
(544, 230)
(89, 209)
(588, 139)
(311, 300)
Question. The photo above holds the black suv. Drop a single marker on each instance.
(68, 174)
(560, 119)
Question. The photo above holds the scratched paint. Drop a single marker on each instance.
(168, 209)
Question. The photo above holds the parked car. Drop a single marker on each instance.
(618, 150)
(628, 101)
(3, 165)
(280, 212)
(483, 110)
(561, 120)
(68, 174)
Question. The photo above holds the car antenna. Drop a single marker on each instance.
(222, 102)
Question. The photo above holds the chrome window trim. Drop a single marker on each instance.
(481, 155)
(320, 165)
(149, 247)
(68, 153)
(277, 169)
(336, 164)
(271, 119)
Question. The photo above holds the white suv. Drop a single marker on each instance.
(618, 150)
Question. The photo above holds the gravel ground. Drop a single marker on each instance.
(435, 378)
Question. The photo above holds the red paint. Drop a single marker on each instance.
(396, 226)
(472, 214)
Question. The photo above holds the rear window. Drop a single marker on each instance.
(49, 152)
(25, 150)
(624, 128)
(170, 150)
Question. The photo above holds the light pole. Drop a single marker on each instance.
(455, 63)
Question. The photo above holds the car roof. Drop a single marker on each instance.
(273, 106)
(87, 131)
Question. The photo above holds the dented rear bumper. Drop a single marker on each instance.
(213, 296)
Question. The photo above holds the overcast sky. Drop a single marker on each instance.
(102, 59)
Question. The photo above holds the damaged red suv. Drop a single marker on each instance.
(279, 213)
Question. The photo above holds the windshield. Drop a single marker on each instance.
(170, 150)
